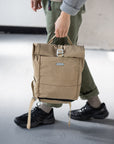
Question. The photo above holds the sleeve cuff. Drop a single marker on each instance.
(68, 9)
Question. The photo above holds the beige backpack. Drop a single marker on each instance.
(57, 73)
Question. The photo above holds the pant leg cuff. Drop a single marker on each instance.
(86, 96)
(53, 105)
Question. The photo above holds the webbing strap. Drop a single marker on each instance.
(70, 114)
(29, 113)
(30, 107)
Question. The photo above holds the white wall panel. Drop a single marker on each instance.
(96, 30)
(20, 13)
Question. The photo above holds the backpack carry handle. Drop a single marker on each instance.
(68, 39)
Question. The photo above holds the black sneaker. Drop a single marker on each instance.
(38, 117)
(87, 112)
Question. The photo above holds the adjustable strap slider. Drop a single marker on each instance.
(60, 52)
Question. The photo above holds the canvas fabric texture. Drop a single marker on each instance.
(57, 73)
(57, 79)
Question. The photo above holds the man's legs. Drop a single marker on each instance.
(43, 114)
(88, 87)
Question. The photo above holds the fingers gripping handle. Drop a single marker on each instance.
(68, 39)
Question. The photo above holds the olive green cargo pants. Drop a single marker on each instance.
(88, 87)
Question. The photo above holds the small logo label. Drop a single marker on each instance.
(60, 64)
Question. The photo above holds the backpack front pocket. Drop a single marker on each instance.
(59, 71)
(58, 76)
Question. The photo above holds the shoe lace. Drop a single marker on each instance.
(35, 111)
(82, 110)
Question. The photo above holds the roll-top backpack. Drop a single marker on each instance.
(57, 73)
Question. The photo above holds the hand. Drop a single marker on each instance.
(62, 25)
(36, 4)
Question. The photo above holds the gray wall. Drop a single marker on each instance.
(97, 30)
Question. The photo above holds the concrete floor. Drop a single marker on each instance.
(16, 74)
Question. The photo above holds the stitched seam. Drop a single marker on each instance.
(39, 74)
(59, 85)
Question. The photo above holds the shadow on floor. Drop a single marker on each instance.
(92, 132)
(109, 122)
(96, 131)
